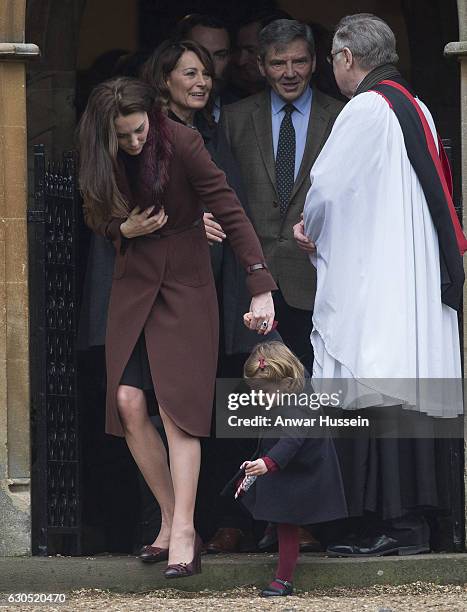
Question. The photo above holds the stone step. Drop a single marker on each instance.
(127, 574)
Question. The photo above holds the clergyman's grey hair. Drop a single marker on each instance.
(370, 39)
(281, 32)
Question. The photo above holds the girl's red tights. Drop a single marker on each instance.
(289, 548)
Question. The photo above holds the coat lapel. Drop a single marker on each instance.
(261, 117)
(316, 133)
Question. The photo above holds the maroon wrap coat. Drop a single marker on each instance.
(163, 284)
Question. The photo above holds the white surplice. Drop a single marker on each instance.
(378, 314)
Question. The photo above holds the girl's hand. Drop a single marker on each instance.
(139, 223)
(254, 468)
(261, 315)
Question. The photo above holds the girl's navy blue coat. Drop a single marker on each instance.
(307, 488)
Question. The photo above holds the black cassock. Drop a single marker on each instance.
(392, 475)
(396, 476)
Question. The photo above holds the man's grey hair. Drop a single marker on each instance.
(281, 32)
(369, 38)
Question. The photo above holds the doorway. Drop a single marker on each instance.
(117, 514)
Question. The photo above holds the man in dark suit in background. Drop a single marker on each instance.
(245, 75)
(213, 35)
(275, 136)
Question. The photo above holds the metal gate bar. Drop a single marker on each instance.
(56, 481)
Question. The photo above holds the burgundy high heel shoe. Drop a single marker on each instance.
(183, 570)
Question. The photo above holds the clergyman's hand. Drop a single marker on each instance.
(301, 239)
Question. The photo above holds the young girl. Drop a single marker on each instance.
(298, 479)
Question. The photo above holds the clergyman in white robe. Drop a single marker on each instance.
(378, 314)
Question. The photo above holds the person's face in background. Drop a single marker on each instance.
(132, 132)
(288, 70)
(217, 42)
(245, 71)
(189, 86)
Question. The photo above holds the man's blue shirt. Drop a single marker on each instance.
(300, 118)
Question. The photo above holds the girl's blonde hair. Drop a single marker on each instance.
(273, 361)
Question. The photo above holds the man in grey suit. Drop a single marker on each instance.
(275, 137)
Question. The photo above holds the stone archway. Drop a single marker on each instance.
(54, 26)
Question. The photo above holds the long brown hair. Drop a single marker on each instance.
(98, 144)
(163, 61)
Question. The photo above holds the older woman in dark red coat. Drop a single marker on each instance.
(145, 180)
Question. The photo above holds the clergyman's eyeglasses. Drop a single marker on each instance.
(330, 57)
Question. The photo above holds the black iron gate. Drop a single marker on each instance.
(53, 240)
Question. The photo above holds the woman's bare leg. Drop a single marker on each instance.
(185, 458)
(148, 451)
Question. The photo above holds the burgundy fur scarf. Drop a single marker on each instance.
(143, 178)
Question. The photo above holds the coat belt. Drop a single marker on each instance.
(170, 232)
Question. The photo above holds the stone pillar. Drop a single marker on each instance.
(459, 50)
(15, 529)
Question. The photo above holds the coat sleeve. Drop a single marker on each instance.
(285, 450)
(109, 229)
(211, 186)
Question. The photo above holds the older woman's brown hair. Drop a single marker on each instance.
(164, 60)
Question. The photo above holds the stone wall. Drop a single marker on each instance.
(14, 335)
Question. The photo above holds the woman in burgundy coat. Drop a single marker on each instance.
(145, 180)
